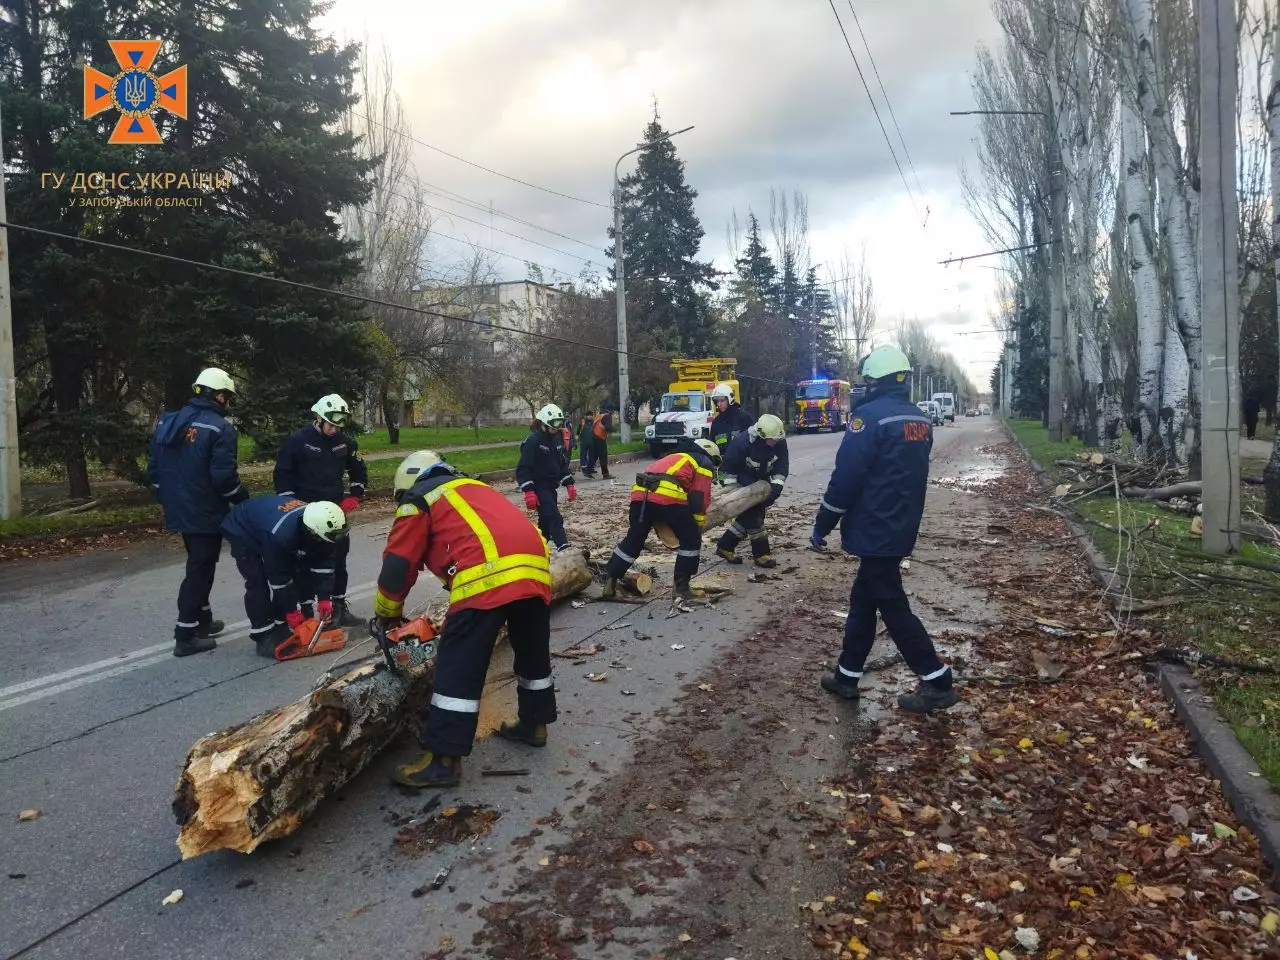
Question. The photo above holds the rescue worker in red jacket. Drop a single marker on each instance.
(677, 491)
(494, 564)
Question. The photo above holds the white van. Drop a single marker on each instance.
(947, 405)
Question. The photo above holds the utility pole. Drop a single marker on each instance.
(1220, 311)
(10, 475)
(620, 271)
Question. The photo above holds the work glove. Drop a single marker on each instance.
(573, 492)
(816, 542)
(349, 504)
(753, 464)
(324, 609)
(530, 500)
(294, 619)
(775, 491)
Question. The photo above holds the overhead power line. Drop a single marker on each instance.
(996, 253)
(857, 22)
(346, 295)
(874, 109)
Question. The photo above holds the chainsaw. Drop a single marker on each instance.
(310, 639)
(412, 644)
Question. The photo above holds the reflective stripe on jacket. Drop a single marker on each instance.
(686, 482)
(480, 546)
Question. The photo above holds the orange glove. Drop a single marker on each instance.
(348, 504)
(530, 500)
(573, 493)
(324, 609)
(294, 619)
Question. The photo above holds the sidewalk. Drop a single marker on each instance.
(262, 466)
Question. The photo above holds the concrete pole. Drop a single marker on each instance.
(10, 473)
(1220, 284)
(620, 270)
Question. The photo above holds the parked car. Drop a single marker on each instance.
(932, 409)
(984, 409)
(971, 412)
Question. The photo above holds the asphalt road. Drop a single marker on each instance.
(96, 718)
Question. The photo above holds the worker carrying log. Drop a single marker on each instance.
(675, 490)
(757, 453)
(272, 537)
(876, 494)
(543, 467)
(730, 418)
(494, 564)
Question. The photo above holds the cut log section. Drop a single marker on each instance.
(726, 503)
(259, 780)
(637, 582)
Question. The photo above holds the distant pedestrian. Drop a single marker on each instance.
(586, 444)
(1251, 407)
(600, 431)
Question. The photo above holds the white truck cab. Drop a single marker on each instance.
(686, 410)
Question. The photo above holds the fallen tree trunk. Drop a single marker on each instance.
(1191, 488)
(259, 780)
(726, 503)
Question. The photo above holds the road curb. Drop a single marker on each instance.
(1254, 802)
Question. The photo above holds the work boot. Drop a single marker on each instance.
(727, 555)
(928, 697)
(430, 772)
(684, 591)
(535, 735)
(610, 589)
(840, 685)
(342, 615)
(265, 644)
(766, 561)
(210, 629)
(186, 646)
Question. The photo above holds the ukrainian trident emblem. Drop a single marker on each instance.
(135, 91)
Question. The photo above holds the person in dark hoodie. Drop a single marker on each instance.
(730, 418)
(191, 465)
(544, 466)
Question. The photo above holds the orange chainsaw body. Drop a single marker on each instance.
(311, 639)
(413, 643)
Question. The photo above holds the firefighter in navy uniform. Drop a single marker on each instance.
(758, 453)
(730, 418)
(544, 466)
(494, 564)
(677, 491)
(191, 465)
(271, 537)
(876, 494)
(310, 466)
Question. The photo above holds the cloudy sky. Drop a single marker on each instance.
(552, 91)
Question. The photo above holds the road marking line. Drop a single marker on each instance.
(116, 666)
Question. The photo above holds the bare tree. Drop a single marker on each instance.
(1271, 473)
(854, 299)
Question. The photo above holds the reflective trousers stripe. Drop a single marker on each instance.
(617, 552)
(543, 684)
(456, 704)
(937, 673)
(688, 553)
(848, 673)
(187, 626)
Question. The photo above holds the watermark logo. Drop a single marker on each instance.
(136, 92)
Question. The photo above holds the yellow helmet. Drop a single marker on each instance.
(325, 519)
(709, 448)
(214, 380)
(770, 427)
(413, 466)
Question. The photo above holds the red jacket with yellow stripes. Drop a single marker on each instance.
(481, 547)
(689, 484)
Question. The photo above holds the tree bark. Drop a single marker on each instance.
(1191, 488)
(259, 780)
(726, 503)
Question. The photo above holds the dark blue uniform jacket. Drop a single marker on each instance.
(191, 465)
(310, 466)
(270, 527)
(877, 489)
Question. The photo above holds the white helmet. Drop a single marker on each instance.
(709, 448)
(551, 416)
(326, 520)
(722, 392)
(414, 466)
(214, 380)
(332, 409)
(770, 427)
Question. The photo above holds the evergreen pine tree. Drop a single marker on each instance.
(755, 267)
(661, 235)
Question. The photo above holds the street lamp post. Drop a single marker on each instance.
(619, 259)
